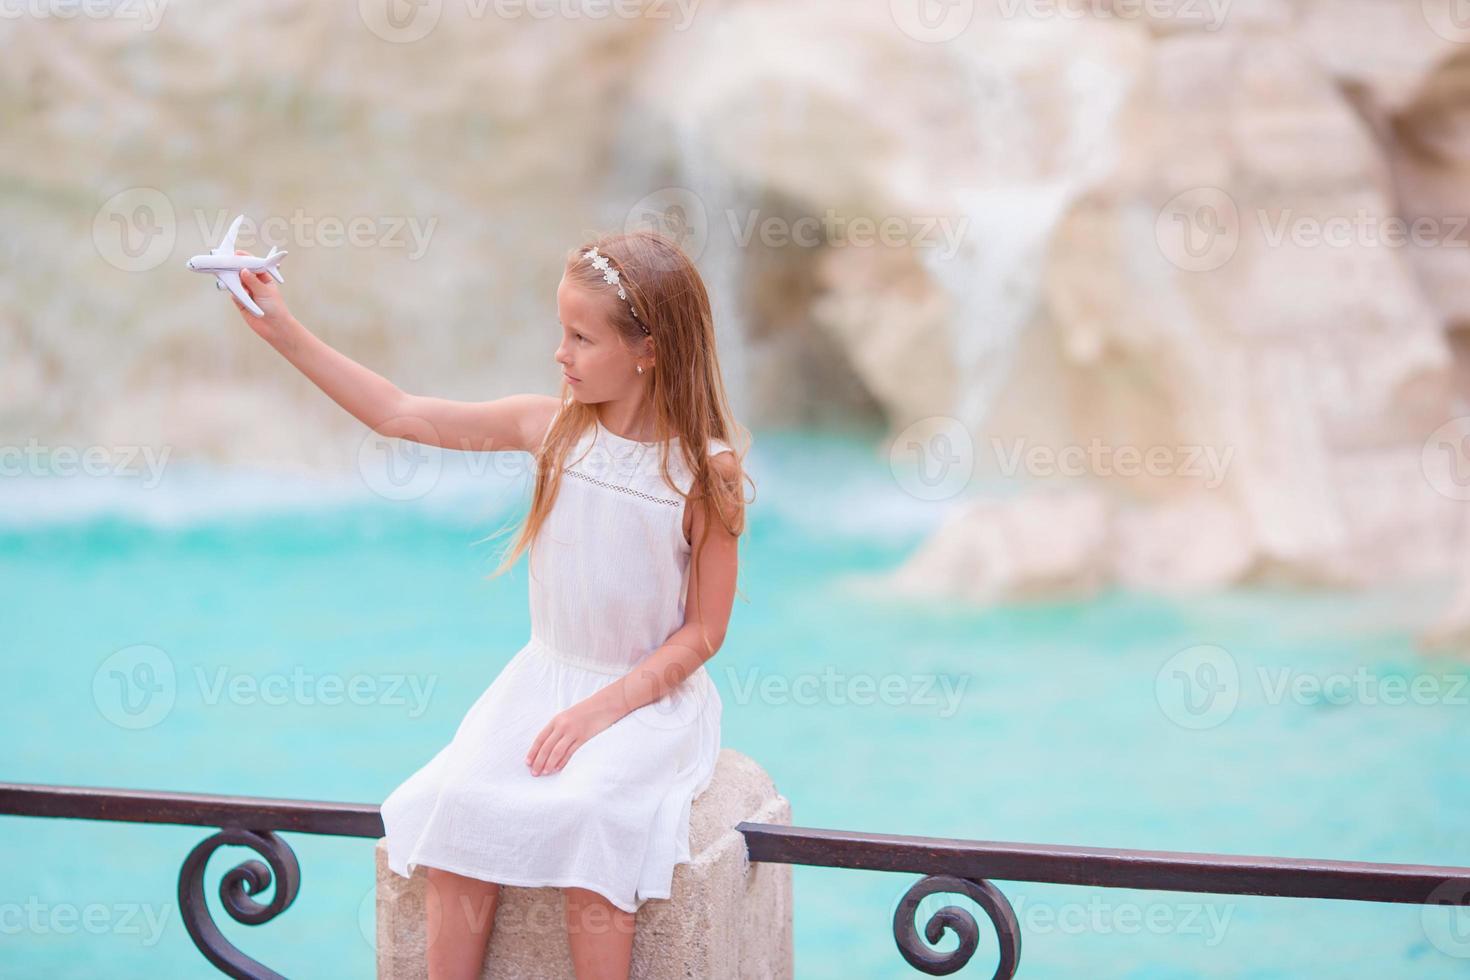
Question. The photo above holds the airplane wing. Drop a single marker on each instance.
(231, 280)
(227, 247)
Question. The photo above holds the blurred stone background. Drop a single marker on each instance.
(1158, 227)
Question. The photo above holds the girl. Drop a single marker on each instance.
(577, 766)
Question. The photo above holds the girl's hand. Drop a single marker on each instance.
(566, 733)
(276, 319)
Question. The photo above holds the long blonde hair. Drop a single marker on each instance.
(686, 388)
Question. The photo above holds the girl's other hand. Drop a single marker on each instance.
(275, 320)
(565, 733)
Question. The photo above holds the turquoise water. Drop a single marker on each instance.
(1037, 723)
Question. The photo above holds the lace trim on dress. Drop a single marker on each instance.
(613, 486)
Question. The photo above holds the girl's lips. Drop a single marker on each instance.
(570, 378)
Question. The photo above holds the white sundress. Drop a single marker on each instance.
(609, 573)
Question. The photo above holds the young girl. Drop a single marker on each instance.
(577, 766)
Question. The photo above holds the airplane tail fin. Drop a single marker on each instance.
(273, 260)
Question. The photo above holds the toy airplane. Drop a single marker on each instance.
(226, 266)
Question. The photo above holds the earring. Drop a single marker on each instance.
(640, 369)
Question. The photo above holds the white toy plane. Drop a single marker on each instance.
(226, 266)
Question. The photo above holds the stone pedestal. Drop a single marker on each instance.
(726, 918)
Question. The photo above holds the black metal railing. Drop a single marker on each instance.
(949, 866)
(965, 867)
(250, 822)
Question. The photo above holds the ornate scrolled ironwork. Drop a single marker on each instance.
(1177, 871)
(239, 883)
(959, 919)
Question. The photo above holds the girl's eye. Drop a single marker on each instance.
(580, 337)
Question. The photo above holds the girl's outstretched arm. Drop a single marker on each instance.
(515, 422)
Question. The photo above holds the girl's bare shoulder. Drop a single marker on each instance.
(537, 413)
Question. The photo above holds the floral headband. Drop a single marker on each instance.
(610, 274)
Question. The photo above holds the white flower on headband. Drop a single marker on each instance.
(608, 272)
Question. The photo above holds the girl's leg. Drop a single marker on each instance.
(601, 936)
(461, 915)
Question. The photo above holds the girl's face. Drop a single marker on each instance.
(596, 365)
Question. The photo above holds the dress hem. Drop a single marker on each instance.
(525, 882)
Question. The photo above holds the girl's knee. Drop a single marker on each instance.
(585, 901)
(585, 895)
(591, 915)
(446, 885)
(440, 878)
